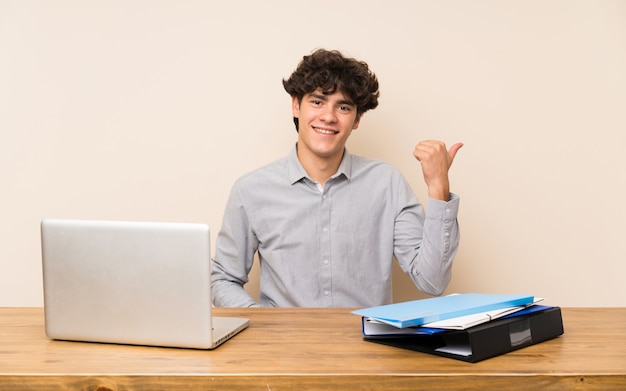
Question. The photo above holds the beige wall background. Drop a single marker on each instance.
(149, 110)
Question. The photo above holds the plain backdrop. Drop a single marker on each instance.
(150, 110)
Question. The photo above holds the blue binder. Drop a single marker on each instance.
(417, 312)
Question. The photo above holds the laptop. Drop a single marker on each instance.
(138, 283)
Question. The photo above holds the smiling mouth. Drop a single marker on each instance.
(325, 131)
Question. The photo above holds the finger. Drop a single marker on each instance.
(454, 149)
(428, 147)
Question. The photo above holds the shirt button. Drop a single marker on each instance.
(325, 229)
(446, 233)
(325, 261)
(326, 292)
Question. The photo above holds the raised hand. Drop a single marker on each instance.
(436, 161)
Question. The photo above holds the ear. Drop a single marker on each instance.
(357, 120)
(295, 106)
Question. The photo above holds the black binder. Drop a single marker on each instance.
(485, 340)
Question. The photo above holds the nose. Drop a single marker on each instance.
(328, 114)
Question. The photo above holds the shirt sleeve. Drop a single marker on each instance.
(427, 254)
(236, 245)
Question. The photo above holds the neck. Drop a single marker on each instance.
(319, 168)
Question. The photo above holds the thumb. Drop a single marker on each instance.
(453, 150)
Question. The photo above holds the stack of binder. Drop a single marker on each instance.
(469, 327)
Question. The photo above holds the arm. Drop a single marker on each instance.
(234, 255)
(425, 246)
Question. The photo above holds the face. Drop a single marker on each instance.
(325, 123)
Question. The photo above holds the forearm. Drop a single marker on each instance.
(230, 294)
(431, 267)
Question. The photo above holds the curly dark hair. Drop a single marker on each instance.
(330, 71)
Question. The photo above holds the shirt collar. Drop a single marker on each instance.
(297, 172)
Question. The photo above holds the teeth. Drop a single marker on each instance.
(325, 131)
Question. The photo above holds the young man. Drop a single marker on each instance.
(325, 223)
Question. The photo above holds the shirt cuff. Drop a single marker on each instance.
(442, 210)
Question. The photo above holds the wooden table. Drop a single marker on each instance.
(310, 349)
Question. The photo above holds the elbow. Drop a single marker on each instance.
(435, 291)
(434, 288)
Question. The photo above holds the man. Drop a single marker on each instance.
(326, 223)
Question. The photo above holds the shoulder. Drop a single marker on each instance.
(365, 166)
(273, 172)
(377, 176)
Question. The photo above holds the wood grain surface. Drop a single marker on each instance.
(310, 349)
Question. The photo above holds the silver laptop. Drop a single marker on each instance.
(136, 283)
